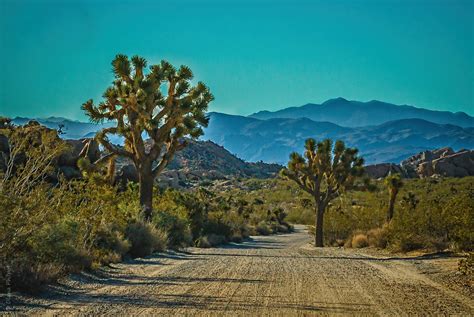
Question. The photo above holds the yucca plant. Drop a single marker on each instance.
(324, 172)
(160, 104)
(394, 183)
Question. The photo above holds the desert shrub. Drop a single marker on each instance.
(236, 237)
(378, 237)
(459, 220)
(286, 228)
(217, 223)
(339, 243)
(249, 231)
(110, 245)
(407, 242)
(263, 229)
(210, 240)
(216, 239)
(23, 274)
(466, 265)
(145, 239)
(359, 241)
(60, 243)
(203, 242)
(177, 228)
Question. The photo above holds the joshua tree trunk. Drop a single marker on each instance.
(145, 179)
(318, 238)
(391, 207)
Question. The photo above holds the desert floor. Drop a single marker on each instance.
(268, 275)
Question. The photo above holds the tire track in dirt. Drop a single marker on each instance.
(277, 275)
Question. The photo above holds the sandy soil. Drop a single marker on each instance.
(278, 275)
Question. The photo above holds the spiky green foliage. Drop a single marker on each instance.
(324, 172)
(161, 103)
(394, 183)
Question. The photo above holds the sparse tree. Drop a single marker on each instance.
(159, 104)
(324, 172)
(394, 183)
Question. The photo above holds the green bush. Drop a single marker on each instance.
(25, 274)
(177, 228)
(60, 243)
(145, 239)
(210, 240)
(263, 229)
(110, 245)
(407, 242)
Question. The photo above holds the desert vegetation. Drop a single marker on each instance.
(51, 226)
(432, 214)
(324, 173)
(138, 106)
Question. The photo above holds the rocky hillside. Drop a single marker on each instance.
(440, 162)
(205, 161)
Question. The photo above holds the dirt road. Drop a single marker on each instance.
(274, 275)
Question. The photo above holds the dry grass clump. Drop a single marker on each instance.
(359, 241)
(377, 237)
(466, 265)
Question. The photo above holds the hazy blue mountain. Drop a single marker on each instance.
(273, 140)
(72, 129)
(357, 114)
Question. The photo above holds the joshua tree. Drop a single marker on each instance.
(160, 104)
(324, 172)
(393, 183)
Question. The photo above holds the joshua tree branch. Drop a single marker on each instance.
(102, 139)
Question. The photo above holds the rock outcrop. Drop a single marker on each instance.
(383, 169)
(440, 162)
(458, 164)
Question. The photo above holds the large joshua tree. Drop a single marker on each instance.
(394, 183)
(324, 172)
(160, 104)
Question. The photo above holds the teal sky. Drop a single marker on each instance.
(254, 55)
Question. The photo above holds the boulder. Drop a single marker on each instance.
(414, 161)
(383, 169)
(127, 173)
(459, 164)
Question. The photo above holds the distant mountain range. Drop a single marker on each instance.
(382, 132)
(273, 140)
(358, 114)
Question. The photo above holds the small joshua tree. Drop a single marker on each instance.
(160, 104)
(393, 183)
(324, 172)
